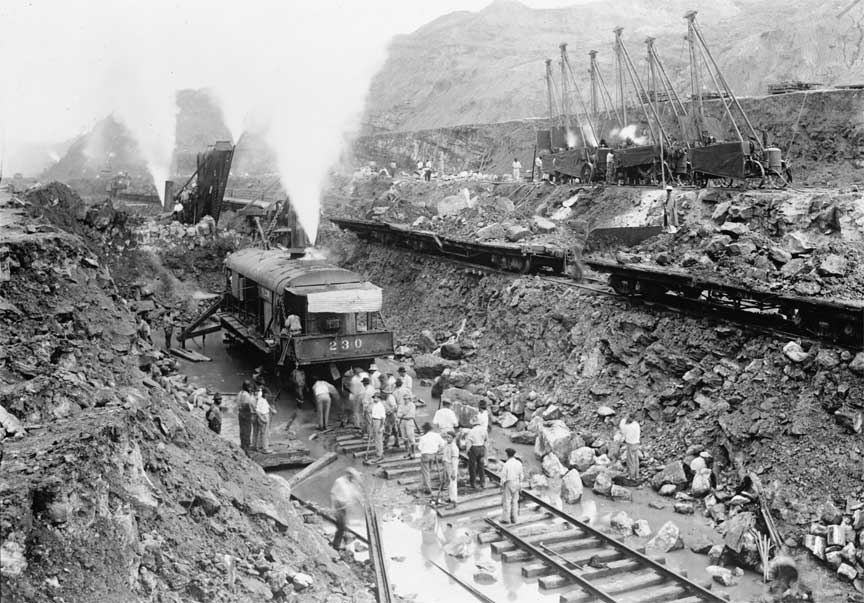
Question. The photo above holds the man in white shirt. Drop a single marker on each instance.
(366, 404)
(407, 380)
(406, 412)
(451, 466)
(344, 495)
(377, 414)
(430, 446)
(632, 435)
(511, 484)
(325, 395)
(517, 169)
(483, 414)
(476, 442)
(375, 377)
(445, 419)
(355, 397)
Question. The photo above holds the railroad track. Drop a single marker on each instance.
(563, 555)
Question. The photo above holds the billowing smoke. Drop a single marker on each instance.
(302, 68)
(630, 132)
(572, 139)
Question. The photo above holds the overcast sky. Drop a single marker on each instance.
(67, 63)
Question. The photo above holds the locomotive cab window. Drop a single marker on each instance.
(362, 322)
(329, 323)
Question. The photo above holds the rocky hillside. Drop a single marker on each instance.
(487, 66)
(111, 486)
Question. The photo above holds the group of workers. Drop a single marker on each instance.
(254, 411)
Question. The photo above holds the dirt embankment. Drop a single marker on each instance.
(694, 384)
(111, 490)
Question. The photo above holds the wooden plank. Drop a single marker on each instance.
(282, 460)
(190, 355)
(640, 582)
(547, 537)
(315, 466)
(552, 580)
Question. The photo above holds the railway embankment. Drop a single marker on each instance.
(112, 488)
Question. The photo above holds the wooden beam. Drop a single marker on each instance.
(308, 471)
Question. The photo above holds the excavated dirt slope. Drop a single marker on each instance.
(111, 489)
(690, 382)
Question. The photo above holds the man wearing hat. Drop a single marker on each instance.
(407, 380)
(444, 418)
(378, 414)
(476, 441)
(430, 446)
(214, 414)
(344, 494)
(375, 377)
(511, 485)
(245, 404)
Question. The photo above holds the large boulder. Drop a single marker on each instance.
(428, 366)
(492, 231)
(10, 423)
(602, 484)
(571, 487)
(523, 437)
(667, 538)
(833, 265)
(554, 436)
(701, 484)
(552, 466)
(581, 458)
(452, 205)
(542, 224)
(857, 364)
(452, 351)
(795, 352)
(517, 232)
(673, 473)
(463, 403)
(508, 420)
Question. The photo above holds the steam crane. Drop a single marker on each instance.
(642, 163)
(601, 92)
(741, 159)
(203, 192)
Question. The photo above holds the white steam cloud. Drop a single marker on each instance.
(301, 67)
(630, 132)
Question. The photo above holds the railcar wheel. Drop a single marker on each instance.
(620, 285)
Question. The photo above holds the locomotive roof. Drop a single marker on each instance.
(275, 270)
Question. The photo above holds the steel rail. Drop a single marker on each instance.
(688, 585)
(558, 565)
(382, 580)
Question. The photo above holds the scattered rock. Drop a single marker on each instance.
(794, 352)
(603, 484)
(735, 229)
(554, 436)
(667, 538)
(301, 581)
(641, 528)
(552, 466)
(672, 473)
(492, 231)
(12, 559)
(722, 575)
(605, 411)
(484, 578)
(517, 232)
(684, 508)
(668, 490)
(833, 265)
(701, 484)
(572, 487)
(620, 493)
(857, 364)
(523, 437)
(545, 225)
(508, 420)
(700, 544)
(621, 521)
(582, 458)
(428, 366)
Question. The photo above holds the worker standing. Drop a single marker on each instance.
(214, 414)
(355, 398)
(632, 433)
(406, 413)
(261, 422)
(427, 171)
(451, 466)
(391, 426)
(511, 486)
(375, 377)
(378, 414)
(444, 418)
(368, 398)
(168, 330)
(245, 401)
(325, 395)
(538, 167)
(430, 445)
(177, 210)
(476, 441)
(670, 213)
(610, 167)
(407, 380)
(344, 495)
(517, 169)
(483, 414)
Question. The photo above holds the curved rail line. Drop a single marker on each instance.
(838, 321)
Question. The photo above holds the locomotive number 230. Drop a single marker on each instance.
(345, 344)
